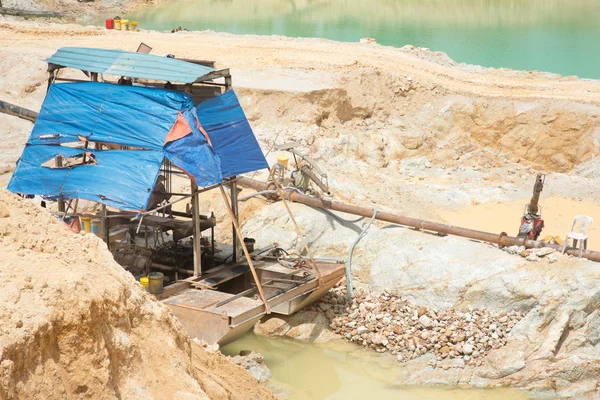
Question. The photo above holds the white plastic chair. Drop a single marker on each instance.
(580, 236)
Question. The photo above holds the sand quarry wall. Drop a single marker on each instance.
(381, 118)
(373, 104)
(74, 324)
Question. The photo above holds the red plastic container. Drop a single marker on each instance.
(110, 23)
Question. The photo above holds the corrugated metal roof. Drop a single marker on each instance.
(130, 64)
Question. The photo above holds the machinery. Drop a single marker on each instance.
(532, 222)
(306, 170)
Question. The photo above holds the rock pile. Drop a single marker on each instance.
(254, 363)
(535, 255)
(388, 323)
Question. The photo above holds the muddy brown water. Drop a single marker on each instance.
(342, 370)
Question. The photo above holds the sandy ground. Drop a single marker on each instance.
(405, 129)
(558, 214)
(75, 324)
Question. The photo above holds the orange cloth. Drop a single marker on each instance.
(180, 129)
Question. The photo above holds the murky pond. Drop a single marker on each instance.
(341, 370)
(547, 35)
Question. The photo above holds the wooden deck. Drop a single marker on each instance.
(219, 317)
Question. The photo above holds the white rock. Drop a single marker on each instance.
(425, 321)
(467, 349)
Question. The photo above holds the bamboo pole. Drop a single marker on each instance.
(244, 249)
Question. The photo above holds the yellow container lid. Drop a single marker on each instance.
(134, 22)
(144, 280)
(283, 159)
(124, 21)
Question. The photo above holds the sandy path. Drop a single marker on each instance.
(245, 53)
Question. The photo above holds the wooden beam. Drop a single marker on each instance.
(222, 73)
(248, 258)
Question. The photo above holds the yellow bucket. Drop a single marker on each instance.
(125, 24)
(118, 24)
(133, 25)
(144, 281)
(86, 224)
(283, 160)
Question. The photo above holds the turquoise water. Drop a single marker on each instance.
(561, 36)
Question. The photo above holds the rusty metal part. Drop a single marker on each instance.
(532, 207)
(20, 112)
(502, 239)
(313, 177)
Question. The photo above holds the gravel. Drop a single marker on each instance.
(386, 322)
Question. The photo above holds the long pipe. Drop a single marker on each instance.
(502, 239)
(12, 109)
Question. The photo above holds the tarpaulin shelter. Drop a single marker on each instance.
(210, 143)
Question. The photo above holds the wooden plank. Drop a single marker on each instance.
(244, 249)
(214, 271)
(223, 276)
(241, 294)
(222, 73)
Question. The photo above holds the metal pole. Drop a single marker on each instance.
(103, 225)
(234, 208)
(313, 177)
(197, 231)
(20, 112)
(501, 239)
(250, 264)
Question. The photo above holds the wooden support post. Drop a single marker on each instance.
(197, 231)
(228, 83)
(241, 239)
(234, 208)
(51, 76)
(104, 225)
(61, 202)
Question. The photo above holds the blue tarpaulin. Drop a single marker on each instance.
(141, 118)
(232, 138)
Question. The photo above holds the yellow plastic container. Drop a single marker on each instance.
(144, 282)
(86, 224)
(283, 160)
(118, 24)
(125, 24)
(133, 25)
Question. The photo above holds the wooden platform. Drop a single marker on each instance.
(219, 317)
(203, 317)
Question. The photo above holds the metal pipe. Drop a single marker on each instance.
(313, 177)
(502, 239)
(20, 112)
(197, 230)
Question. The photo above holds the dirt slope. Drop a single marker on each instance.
(74, 324)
